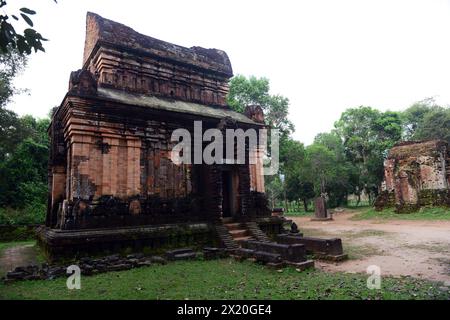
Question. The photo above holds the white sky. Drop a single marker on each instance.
(325, 56)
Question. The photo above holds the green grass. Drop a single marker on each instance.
(425, 213)
(223, 279)
(299, 214)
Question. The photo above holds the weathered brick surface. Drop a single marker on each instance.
(110, 162)
(154, 66)
(416, 174)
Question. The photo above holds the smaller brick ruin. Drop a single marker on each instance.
(416, 174)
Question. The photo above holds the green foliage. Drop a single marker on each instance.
(223, 279)
(367, 135)
(24, 150)
(33, 213)
(255, 91)
(11, 64)
(244, 92)
(425, 213)
(274, 189)
(24, 175)
(24, 42)
(425, 120)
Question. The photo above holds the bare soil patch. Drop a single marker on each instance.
(399, 247)
(20, 255)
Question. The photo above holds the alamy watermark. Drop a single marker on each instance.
(191, 150)
(74, 280)
(374, 280)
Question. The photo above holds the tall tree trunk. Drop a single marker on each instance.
(305, 204)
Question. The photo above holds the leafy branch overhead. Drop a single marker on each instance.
(24, 42)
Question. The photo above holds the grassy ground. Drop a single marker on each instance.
(299, 213)
(222, 279)
(426, 213)
(310, 213)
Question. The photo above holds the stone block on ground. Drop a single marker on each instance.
(180, 254)
(288, 252)
(327, 249)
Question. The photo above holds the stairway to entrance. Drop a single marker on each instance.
(238, 231)
(232, 233)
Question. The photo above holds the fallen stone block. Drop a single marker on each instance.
(179, 254)
(158, 259)
(288, 252)
(267, 257)
(144, 264)
(185, 256)
(328, 249)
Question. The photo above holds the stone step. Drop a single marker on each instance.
(225, 237)
(239, 239)
(233, 226)
(239, 233)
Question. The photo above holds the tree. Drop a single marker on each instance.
(255, 91)
(320, 163)
(11, 64)
(274, 189)
(425, 120)
(367, 135)
(12, 132)
(435, 125)
(11, 40)
(413, 116)
(24, 148)
(299, 187)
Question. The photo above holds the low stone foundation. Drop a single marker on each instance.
(59, 244)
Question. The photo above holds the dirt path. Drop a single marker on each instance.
(410, 248)
(20, 255)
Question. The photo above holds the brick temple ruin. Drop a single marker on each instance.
(112, 183)
(417, 173)
(110, 170)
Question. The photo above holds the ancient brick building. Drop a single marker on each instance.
(417, 173)
(111, 179)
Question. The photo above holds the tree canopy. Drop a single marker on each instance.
(23, 42)
(255, 91)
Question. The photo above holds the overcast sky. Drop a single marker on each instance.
(325, 56)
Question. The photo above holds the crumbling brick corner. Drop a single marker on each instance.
(416, 174)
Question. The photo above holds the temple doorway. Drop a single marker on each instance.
(230, 193)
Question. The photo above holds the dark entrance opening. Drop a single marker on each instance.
(226, 194)
(230, 194)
